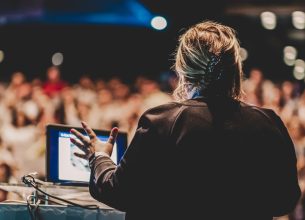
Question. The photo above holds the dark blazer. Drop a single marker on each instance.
(202, 159)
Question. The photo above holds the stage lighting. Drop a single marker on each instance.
(299, 69)
(268, 20)
(57, 59)
(290, 54)
(243, 53)
(158, 23)
(299, 75)
(298, 19)
(1, 56)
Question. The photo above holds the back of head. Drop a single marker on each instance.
(208, 62)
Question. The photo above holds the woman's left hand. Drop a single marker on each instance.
(89, 145)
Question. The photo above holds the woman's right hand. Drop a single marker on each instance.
(89, 145)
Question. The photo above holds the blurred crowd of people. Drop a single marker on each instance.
(287, 99)
(27, 106)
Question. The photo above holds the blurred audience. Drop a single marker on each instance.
(54, 83)
(26, 107)
(5, 174)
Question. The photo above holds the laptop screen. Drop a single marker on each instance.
(63, 167)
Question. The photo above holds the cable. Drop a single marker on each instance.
(30, 180)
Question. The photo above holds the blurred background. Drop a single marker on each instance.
(107, 37)
(107, 61)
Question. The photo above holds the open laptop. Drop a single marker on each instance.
(62, 166)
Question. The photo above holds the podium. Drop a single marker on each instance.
(53, 212)
(19, 210)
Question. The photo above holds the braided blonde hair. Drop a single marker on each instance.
(197, 47)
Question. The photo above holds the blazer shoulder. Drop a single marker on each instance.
(160, 109)
(162, 117)
(269, 113)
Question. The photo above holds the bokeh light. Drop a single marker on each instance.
(268, 20)
(1, 56)
(57, 59)
(243, 53)
(298, 19)
(290, 54)
(158, 23)
(299, 69)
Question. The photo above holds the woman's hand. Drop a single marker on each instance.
(91, 144)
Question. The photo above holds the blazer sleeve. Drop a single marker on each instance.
(116, 185)
(285, 190)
